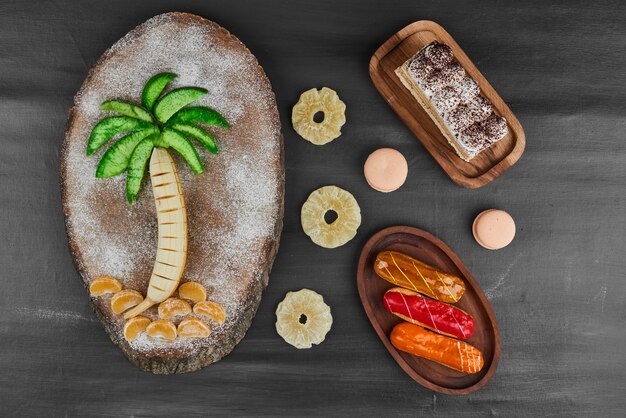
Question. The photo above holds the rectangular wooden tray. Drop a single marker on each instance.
(486, 166)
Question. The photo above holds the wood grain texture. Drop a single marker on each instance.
(487, 165)
(558, 289)
(423, 246)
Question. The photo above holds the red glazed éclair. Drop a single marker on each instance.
(437, 316)
(452, 353)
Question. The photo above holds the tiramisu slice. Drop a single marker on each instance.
(453, 100)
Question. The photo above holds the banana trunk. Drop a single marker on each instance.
(171, 253)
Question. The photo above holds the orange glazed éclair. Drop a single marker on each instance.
(450, 352)
(412, 274)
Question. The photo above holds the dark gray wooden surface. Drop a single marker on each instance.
(559, 290)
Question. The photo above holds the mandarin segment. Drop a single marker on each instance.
(193, 328)
(124, 300)
(313, 101)
(212, 310)
(192, 291)
(162, 328)
(173, 307)
(303, 319)
(135, 326)
(104, 285)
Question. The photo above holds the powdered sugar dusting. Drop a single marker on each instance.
(232, 208)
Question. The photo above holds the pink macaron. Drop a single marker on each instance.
(494, 229)
(386, 170)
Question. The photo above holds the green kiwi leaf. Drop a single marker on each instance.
(154, 87)
(185, 148)
(175, 100)
(111, 126)
(115, 160)
(199, 114)
(127, 109)
(137, 167)
(201, 135)
(162, 120)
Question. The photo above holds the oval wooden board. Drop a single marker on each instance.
(429, 249)
(486, 166)
(234, 209)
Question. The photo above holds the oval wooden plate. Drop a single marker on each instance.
(431, 250)
(233, 224)
(486, 166)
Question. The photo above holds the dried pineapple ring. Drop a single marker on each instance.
(311, 102)
(213, 310)
(173, 307)
(162, 328)
(303, 319)
(135, 326)
(193, 328)
(124, 300)
(103, 285)
(192, 291)
(342, 229)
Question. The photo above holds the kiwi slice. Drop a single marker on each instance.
(154, 87)
(173, 139)
(137, 167)
(127, 109)
(111, 126)
(199, 114)
(161, 120)
(198, 133)
(175, 100)
(116, 159)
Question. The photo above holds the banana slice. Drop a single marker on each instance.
(171, 254)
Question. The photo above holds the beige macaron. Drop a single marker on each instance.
(494, 229)
(386, 170)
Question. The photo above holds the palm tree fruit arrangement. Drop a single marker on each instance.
(172, 180)
(162, 122)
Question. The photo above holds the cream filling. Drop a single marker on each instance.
(471, 151)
